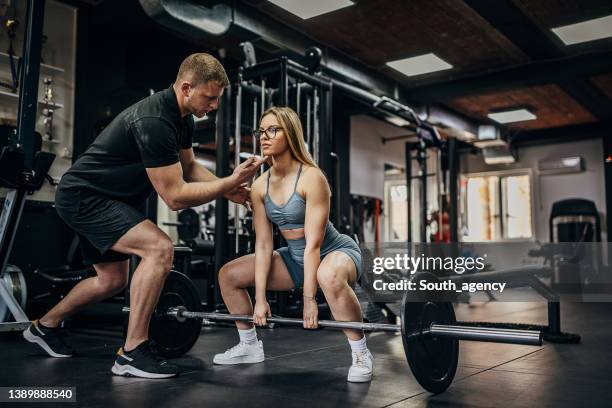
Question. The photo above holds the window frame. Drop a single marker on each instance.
(502, 218)
(396, 180)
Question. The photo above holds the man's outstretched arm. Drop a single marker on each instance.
(169, 183)
(192, 170)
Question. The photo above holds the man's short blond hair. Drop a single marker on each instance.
(201, 68)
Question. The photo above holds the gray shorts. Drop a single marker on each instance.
(293, 255)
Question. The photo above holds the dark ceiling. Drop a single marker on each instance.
(502, 51)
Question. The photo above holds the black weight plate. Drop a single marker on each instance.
(189, 228)
(174, 338)
(433, 361)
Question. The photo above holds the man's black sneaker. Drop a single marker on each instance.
(52, 340)
(142, 362)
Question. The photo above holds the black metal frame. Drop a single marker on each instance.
(26, 122)
(222, 169)
(453, 192)
(283, 70)
(420, 148)
(28, 92)
(422, 160)
(607, 154)
(280, 72)
(408, 161)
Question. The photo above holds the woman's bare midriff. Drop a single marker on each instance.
(290, 234)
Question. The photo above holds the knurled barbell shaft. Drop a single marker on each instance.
(487, 334)
(297, 322)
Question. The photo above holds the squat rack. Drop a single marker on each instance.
(280, 82)
(284, 82)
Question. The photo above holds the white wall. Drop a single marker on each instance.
(589, 184)
(367, 168)
(368, 154)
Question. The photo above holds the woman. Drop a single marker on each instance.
(294, 195)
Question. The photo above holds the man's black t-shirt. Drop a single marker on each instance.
(148, 134)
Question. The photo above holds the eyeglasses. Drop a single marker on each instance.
(269, 132)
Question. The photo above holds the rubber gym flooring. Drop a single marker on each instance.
(306, 369)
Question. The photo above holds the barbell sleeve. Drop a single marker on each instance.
(488, 334)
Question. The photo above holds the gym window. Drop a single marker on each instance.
(496, 207)
(396, 211)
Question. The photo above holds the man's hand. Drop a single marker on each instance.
(240, 195)
(245, 172)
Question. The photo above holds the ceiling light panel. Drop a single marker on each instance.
(589, 30)
(306, 9)
(511, 116)
(422, 64)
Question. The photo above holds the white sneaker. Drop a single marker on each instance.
(362, 368)
(241, 353)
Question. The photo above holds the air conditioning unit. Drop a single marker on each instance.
(574, 164)
(489, 136)
(499, 155)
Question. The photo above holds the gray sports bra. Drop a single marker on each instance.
(291, 215)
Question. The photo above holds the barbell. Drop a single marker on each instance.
(429, 330)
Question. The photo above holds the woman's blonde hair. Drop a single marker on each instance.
(292, 126)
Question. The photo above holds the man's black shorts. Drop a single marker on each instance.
(98, 220)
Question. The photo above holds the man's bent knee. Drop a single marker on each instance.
(161, 251)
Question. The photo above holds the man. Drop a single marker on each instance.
(101, 197)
